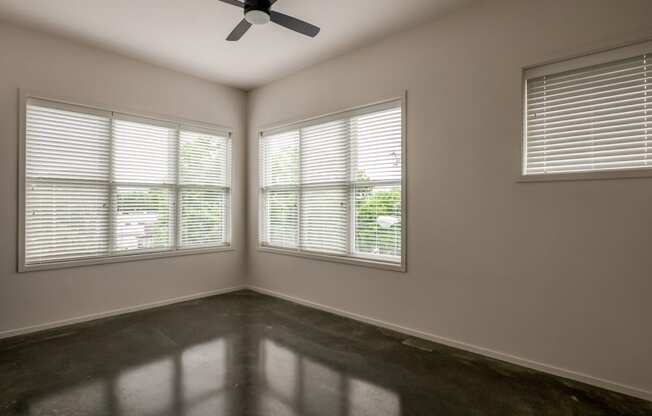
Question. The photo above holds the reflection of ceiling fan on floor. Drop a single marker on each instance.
(258, 12)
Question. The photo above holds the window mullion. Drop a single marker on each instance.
(111, 192)
(299, 193)
(177, 193)
(228, 196)
(351, 190)
(262, 197)
(647, 98)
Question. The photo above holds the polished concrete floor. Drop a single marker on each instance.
(249, 354)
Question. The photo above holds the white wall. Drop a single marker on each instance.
(559, 273)
(60, 68)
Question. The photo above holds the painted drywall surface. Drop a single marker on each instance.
(59, 68)
(559, 273)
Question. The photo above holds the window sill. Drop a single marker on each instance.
(354, 261)
(119, 259)
(586, 176)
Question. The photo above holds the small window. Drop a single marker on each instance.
(590, 115)
(101, 186)
(333, 186)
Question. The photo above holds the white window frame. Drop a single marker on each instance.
(577, 61)
(156, 119)
(368, 260)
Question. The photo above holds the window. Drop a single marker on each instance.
(333, 187)
(590, 114)
(100, 185)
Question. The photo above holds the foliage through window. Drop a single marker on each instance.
(100, 184)
(333, 186)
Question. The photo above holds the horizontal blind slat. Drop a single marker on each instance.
(144, 160)
(604, 82)
(69, 154)
(311, 179)
(65, 221)
(64, 218)
(143, 153)
(590, 119)
(584, 147)
(324, 220)
(281, 210)
(573, 76)
(204, 173)
(280, 161)
(203, 217)
(143, 218)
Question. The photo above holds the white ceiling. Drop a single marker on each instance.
(188, 35)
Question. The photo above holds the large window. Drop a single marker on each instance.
(590, 116)
(333, 186)
(101, 185)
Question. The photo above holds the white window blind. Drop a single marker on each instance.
(333, 186)
(144, 174)
(280, 182)
(100, 184)
(205, 177)
(67, 184)
(592, 117)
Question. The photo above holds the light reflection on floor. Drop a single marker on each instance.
(195, 382)
(146, 390)
(89, 399)
(297, 385)
(246, 354)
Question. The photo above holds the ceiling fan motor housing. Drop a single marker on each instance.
(257, 11)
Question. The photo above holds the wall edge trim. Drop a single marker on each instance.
(535, 365)
(115, 312)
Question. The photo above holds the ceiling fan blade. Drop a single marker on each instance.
(295, 24)
(233, 3)
(239, 31)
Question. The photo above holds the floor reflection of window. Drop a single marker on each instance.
(271, 405)
(204, 368)
(296, 384)
(212, 405)
(87, 399)
(280, 366)
(198, 381)
(321, 389)
(366, 399)
(146, 390)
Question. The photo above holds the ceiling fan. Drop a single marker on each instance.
(258, 12)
